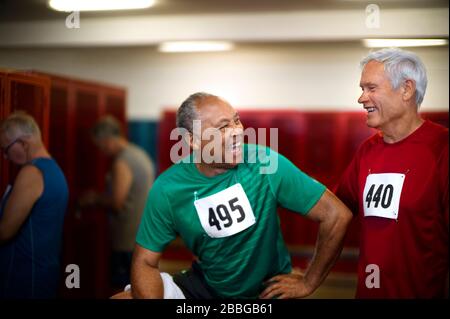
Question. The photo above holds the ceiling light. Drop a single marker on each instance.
(385, 43)
(99, 5)
(195, 46)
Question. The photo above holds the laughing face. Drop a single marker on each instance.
(384, 105)
(222, 133)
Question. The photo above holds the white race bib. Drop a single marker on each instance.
(225, 213)
(382, 195)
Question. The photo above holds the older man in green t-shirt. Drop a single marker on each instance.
(222, 201)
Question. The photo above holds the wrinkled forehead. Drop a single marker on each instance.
(374, 66)
(211, 108)
(373, 71)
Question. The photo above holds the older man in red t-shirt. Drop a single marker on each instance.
(398, 184)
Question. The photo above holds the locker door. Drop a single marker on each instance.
(29, 93)
(61, 128)
(91, 227)
(61, 149)
(88, 165)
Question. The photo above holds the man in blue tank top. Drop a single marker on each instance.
(31, 213)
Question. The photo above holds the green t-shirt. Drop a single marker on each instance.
(234, 264)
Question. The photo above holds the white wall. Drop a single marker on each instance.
(310, 76)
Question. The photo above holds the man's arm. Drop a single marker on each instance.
(28, 187)
(146, 280)
(333, 217)
(121, 184)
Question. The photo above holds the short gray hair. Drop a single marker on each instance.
(401, 65)
(187, 112)
(19, 124)
(107, 126)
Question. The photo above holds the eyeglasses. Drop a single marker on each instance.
(7, 147)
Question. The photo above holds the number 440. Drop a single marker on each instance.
(382, 195)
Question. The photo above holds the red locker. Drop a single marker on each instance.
(27, 92)
(76, 105)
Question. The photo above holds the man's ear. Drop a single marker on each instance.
(409, 90)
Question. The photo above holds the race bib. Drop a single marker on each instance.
(225, 213)
(382, 195)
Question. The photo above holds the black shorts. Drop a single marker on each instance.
(193, 284)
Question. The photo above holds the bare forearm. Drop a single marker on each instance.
(146, 282)
(328, 248)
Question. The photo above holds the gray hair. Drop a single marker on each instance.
(107, 126)
(187, 112)
(399, 66)
(19, 124)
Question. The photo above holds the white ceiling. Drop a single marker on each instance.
(29, 10)
(30, 23)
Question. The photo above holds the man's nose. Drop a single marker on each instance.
(363, 98)
(237, 129)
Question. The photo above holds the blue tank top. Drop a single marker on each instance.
(30, 262)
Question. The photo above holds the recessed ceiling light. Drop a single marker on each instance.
(385, 43)
(99, 5)
(195, 46)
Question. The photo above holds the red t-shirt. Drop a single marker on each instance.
(407, 240)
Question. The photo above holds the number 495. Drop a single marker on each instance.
(224, 214)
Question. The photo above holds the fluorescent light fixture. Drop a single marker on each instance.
(99, 5)
(195, 46)
(386, 43)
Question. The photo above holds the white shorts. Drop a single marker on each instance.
(171, 290)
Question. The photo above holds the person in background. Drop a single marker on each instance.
(397, 183)
(129, 181)
(31, 213)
